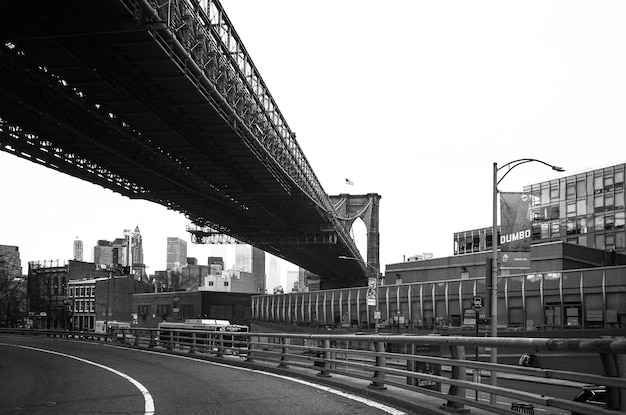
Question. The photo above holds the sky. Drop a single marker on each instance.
(413, 100)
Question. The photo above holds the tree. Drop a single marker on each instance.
(12, 296)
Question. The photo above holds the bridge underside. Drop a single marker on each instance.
(97, 90)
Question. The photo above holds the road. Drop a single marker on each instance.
(53, 376)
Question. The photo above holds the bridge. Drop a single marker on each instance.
(159, 100)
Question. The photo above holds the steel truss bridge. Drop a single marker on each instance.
(159, 100)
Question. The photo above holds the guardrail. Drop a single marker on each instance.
(438, 366)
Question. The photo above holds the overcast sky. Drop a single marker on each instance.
(414, 100)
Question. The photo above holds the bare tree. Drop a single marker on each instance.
(12, 296)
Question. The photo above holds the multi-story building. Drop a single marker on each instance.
(585, 209)
(124, 252)
(176, 253)
(82, 300)
(78, 250)
(251, 260)
(10, 261)
(47, 290)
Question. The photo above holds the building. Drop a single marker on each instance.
(78, 250)
(10, 261)
(103, 254)
(586, 209)
(176, 253)
(232, 281)
(81, 295)
(126, 252)
(251, 260)
(151, 309)
(560, 287)
(47, 290)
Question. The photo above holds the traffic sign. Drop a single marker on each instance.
(478, 303)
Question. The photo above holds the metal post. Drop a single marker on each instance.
(494, 279)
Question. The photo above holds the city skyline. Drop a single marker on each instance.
(417, 110)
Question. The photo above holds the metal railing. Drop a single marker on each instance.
(437, 366)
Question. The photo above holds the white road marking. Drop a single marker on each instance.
(148, 401)
(385, 408)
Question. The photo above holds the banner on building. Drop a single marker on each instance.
(516, 229)
(371, 291)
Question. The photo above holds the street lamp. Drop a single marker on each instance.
(494, 242)
(376, 310)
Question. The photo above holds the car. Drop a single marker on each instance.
(591, 394)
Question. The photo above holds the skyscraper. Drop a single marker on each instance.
(78, 249)
(252, 260)
(176, 253)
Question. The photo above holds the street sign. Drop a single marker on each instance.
(478, 303)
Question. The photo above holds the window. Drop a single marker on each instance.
(91, 306)
(555, 228)
(554, 212)
(571, 190)
(536, 232)
(608, 184)
(599, 223)
(210, 283)
(186, 310)
(225, 283)
(597, 185)
(619, 220)
(144, 309)
(571, 210)
(55, 285)
(545, 196)
(619, 180)
(545, 231)
(581, 207)
(599, 242)
(609, 222)
(620, 240)
(71, 291)
(619, 200)
(164, 310)
(554, 193)
(581, 188)
(570, 227)
(608, 202)
(609, 241)
(598, 203)
(581, 225)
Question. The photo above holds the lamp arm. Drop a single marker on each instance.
(512, 164)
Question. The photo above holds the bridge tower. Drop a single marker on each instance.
(350, 207)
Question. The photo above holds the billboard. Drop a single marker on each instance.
(516, 229)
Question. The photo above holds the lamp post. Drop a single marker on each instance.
(376, 310)
(494, 260)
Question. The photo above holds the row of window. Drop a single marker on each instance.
(84, 306)
(212, 283)
(165, 310)
(608, 229)
(82, 291)
(601, 203)
(56, 285)
(547, 193)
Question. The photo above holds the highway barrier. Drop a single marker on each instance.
(443, 367)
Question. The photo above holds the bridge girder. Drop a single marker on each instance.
(159, 100)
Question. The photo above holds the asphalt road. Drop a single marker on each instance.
(51, 376)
